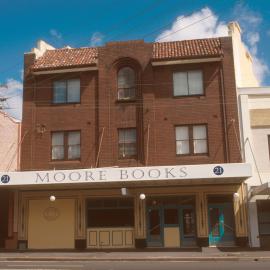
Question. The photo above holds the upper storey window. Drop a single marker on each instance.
(127, 142)
(66, 145)
(66, 91)
(188, 83)
(126, 84)
(191, 140)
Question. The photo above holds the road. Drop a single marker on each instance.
(144, 265)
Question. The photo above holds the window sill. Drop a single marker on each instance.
(127, 158)
(74, 161)
(130, 100)
(194, 155)
(65, 104)
(202, 96)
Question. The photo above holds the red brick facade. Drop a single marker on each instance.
(154, 113)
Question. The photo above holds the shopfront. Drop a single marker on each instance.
(171, 221)
(259, 215)
(221, 221)
(110, 223)
(182, 212)
(4, 214)
(263, 207)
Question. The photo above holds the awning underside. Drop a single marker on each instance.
(263, 189)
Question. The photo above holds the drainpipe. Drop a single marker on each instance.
(224, 112)
(33, 120)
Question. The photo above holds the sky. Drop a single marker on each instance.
(84, 23)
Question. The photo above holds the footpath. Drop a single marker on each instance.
(206, 254)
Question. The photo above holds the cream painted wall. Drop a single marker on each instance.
(9, 141)
(51, 225)
(243, 63)
(255, 147)
(261, 151)
(254, 139)
(259, 101)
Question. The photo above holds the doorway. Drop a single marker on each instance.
(221, 224)
(171, 222)
(4, 201)
(155, 226)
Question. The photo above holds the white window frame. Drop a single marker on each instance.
(134, 143)
(126, 92)
(65, 145)
(191, 140)
(66, 91)
(187, 74)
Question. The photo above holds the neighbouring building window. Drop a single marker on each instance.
(191, 139)
(126, 83)
(66, 91)
(188, 83)
(263, 207)
(127, 142)
(66, 145)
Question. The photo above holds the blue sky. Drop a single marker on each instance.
(83, 23)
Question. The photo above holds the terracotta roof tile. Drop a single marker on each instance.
(187, 49)
(67, 58)
(64, 58)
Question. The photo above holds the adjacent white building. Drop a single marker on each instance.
(254, 113)
(254, 116)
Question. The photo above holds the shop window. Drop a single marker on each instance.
(127, 143)
(171, 200)
(66, 91)
(126, 84)
(171, 216)
(191, 140)
(110, 213)
(188, 222)
(264, 217)
(66, 145)
(188, 83)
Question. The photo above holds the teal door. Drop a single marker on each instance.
(221, 224)
(155, 226)
(160, 217)
(187, 226)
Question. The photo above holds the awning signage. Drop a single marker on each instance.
(112, 174)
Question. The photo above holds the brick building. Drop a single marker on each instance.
(10, 129)
(131, 144)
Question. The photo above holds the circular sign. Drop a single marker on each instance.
(51, 213)
(5, 179)
(218, 170)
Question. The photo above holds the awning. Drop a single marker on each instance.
(201, 173)
(263, 189)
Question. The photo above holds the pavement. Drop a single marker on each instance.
(206, 254)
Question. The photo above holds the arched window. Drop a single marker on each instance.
(126, 83)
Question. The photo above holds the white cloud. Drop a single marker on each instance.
(201, 24)
(261, 69)
(250, 22)
(96, 39)
(54, 33)
(247, 17)
(22, 74)
(12, 89)
(206, 24)
(253, 38)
